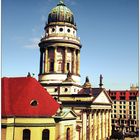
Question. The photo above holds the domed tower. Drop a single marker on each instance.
(60, 47)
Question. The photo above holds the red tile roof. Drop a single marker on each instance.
(126, 94)
(18, 93)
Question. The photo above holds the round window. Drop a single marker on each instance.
(68, 30)
(53, 29)
(61, 29)
(33, 103)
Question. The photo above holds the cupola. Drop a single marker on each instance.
(61, 13)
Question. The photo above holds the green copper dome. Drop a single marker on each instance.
(61, 13)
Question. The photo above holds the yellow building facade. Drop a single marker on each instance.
(44, 128)
(36, 116)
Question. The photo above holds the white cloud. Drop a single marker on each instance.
(44, 18)
(35, 29)
(32, 43)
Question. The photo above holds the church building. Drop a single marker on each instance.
(60, 75)
(30, 113)
(57, 106)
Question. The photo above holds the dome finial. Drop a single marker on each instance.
(61, 1)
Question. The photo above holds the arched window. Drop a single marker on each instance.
(68, 134)
(26, 134)
(45, 134)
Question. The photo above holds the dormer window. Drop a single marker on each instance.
(34, 103)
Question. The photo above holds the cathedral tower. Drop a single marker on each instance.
(60, 47)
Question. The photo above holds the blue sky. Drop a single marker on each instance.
(108, 30)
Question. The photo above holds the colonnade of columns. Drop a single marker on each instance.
(45, 61)
(96, 124)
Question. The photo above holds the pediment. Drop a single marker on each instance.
(102, 98)
(66, 113)
(70, 115)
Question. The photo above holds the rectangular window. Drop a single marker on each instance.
(68, 66)
(132, 122)
(51, 66)
(134, 112)
(113, 97)
(122, 97)
(134, 107)
(132, 98)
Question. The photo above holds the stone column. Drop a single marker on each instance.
(65, 61)
(103, 125)
(109, 123)
(55, 59)
(94, 125)
(74, 61)
(41, 61)
(90, 126)
(46, 61)
(84, 125)
(78, 65)
(99, 125)
(72, 69)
